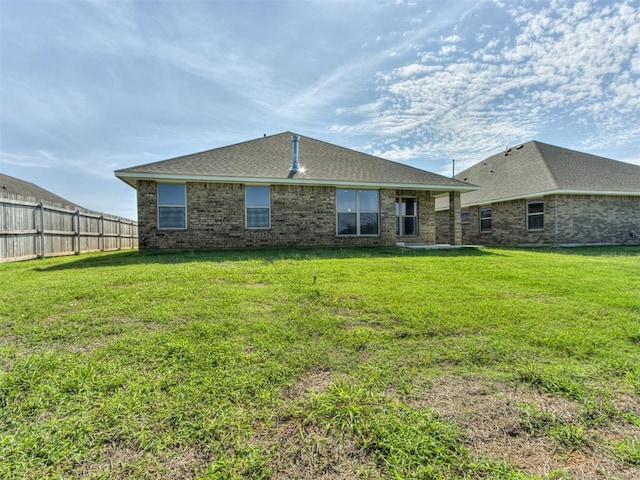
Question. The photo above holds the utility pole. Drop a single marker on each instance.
(453, 168)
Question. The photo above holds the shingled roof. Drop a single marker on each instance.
(536, 168)
(16, 186)
(268, 159)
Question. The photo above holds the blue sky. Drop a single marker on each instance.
(91, 86)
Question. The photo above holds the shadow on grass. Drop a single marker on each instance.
(132, 257)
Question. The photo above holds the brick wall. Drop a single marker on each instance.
(509, 225)
(598, 219)
(445, 219)
(442, 227)
(581, 219)
(300, 216)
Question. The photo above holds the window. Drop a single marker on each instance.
(258, 207)
(485, 219)
(535, 215)
(406, 216)
(358, 212)
(465, 216)
(172, 206)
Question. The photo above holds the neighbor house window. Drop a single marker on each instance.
(172, 206)
(535, 215)
(485, 219)
(465, 216)
(406, 216)
(258, 207)
(358, 212)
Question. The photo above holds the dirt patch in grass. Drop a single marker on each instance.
(127, 461)
(627, 402)
(83, 348)
(119, 326)
(311, 453)
(490, 415)
(312, 382)
(306, 451)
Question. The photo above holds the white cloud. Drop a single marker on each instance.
(452, 39)
(37, 159)
(574, 64)
(120, 13)
(44, 104)
(448, 49)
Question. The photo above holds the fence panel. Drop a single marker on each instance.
(90, 234)
(18, 225)
(31, 229)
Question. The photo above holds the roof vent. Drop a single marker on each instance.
(295, 141)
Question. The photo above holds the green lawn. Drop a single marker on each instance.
(322, 363)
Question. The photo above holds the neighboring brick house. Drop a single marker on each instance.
(540, 194)
(287, 190)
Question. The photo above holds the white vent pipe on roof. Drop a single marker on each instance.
(295, 141)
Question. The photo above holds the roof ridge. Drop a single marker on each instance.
(549, 170)
(33, 190)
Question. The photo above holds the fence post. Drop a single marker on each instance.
(34, 224)
(101, 233)
(76, 232)
(119, 234)
(42, 241)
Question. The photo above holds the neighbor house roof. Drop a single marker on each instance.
(536, 169)
(268, 160)
(15, 186)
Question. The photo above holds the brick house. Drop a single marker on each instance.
(287, 190)
(540, 194)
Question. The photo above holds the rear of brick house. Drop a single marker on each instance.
(540, 194)
(286, 190)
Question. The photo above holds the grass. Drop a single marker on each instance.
(322, 363)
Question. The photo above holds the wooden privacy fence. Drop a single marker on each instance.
(33, 229)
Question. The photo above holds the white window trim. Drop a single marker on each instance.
(408, 216)
(247, 207)
(486, 218)
(170, 205)
(529, 215)
(358, 212)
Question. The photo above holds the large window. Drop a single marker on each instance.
(358, 212)
(172, 206)
(535, 215)
(258, 207)
(485, 219)
(406, 216)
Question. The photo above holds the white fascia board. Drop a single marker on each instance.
(130, 178)
(551, 192)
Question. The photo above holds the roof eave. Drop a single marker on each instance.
(131, 177)
(551, 192)
(129, 180)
